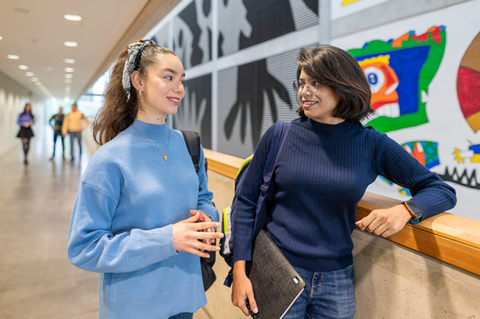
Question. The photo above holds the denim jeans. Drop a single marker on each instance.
(183, 315)
(327, 295)
(78, 136)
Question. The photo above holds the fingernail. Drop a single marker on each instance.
(255, 310)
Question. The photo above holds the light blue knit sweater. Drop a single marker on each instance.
(121, 224)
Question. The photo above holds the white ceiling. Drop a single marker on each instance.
(36, 30)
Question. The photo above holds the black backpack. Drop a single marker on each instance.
(192, 139)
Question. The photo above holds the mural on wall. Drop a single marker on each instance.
(253, 82)
(192, 34)
(342, 8)
(425, 152)
(265, 20)
(195, 110)
(264, 88)
(400, 72)
(162, 37)
(461, 175)
(468, 84)
(451, 94)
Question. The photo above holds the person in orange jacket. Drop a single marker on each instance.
(73, 124)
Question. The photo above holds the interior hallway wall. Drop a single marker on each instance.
(13, 97)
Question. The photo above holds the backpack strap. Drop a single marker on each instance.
(279, 135)
(192, 139)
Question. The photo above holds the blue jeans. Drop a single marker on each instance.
(183, 315)
(328, 294)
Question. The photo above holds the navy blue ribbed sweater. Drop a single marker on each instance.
(322, 173)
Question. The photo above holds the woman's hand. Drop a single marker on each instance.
(204, 218)
(242, 289)
(188, 232)
(385, 222)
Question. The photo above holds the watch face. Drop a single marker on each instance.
(414, 208)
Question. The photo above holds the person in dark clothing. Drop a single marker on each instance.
(56, 122)
(26, 120)
(327, 162)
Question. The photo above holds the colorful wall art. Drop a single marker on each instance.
(399, 72)
(468, 84)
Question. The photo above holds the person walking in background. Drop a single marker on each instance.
(327, 162)
(73, 124)
(141, 208)
(57, 121)
(26, 120)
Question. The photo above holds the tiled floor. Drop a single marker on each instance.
(36, 277)
(37, 280)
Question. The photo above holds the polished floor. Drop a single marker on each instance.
(37, 280)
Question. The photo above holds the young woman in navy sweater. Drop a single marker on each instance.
(328, 160)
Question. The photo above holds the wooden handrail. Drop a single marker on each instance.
(447, 237)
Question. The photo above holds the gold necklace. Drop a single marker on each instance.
(164, 155)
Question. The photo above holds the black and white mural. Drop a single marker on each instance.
(253, 91)
(195, 111)
(252, 97)
(192, 33)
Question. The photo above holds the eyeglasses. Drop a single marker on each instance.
(313, 85)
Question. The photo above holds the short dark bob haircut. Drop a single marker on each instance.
(339, 70)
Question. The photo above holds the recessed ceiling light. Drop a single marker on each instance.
(34, 79)
(23, 67)
(38, 84)
(71, 61)
(72, 17)
(68, 80)
(68, 76)
(13, 57)
(1, 38)
(70, 44)
(69, 70)
(29, 74)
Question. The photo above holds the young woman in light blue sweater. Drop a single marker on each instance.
(143, 217)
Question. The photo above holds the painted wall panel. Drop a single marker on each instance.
(446, 131)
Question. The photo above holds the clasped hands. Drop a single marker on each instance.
(196, 234)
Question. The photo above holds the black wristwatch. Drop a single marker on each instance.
(414, 211)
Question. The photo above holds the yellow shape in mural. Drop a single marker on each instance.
(347, 2)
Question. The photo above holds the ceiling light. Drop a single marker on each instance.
(69, 70)
(13, 57)
(72, 17)
(34, 79)
(23, 67)
(71, 61)
(68, 81)
(1, 38)
(70, 44)
(68, 76)
(29, 74)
